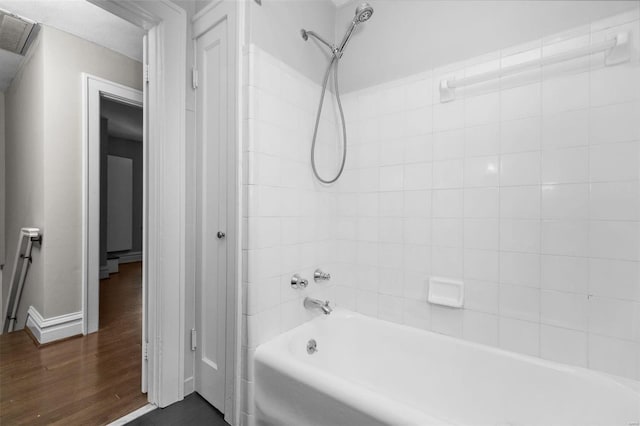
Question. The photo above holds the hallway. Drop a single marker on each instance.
(91, 379)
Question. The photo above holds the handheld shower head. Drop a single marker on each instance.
(363, 13)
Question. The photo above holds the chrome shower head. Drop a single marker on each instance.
(363, 13)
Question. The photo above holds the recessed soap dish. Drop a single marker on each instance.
(446, 292)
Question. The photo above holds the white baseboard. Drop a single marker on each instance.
(104, 272)
(189, 386)
(133, 415)
(52, 329)
(132, 256)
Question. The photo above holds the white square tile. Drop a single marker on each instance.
(482, 140)
(562, 345)
(448, 116)
(520, 269)
(417, 203)
(482, 265)
(519, 336)
(391, 152)
(614, 356)
(520, 302)
(391, 204)
(415, 286)
(521, 102)
(614, 240)
(520, 135)
(520, 202)
(615, 201)
(565, 201)
(482, 109)
(614, 318)
(417, 313)
(446, 320)
(447, 232)
(568, 165)
(417, 258)
(614, 278)
(481, 234)
(564, 93)
(566, 129)
(564, 273)
(481, 296)
(616, 84)
(520, 169)
(615, 162)
(416, 230)
(391, 178)
(448, 174)
(419, 93)
(390, 229)
(447, 262)
(565, 237)
(568, 310)
(419, 121)
(447, 203)
(390, 308)
(418, 176)
(481, 202)
(481, 171)
(418, 149)
(448, 145)
(614, 123)
(520, 235)
(367, 303)
(480, 327)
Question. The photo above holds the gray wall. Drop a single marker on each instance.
(24, 173)
(275, 27)
(66, 58)
(405, 37)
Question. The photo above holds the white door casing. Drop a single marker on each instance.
(165, 229)
(93, 89)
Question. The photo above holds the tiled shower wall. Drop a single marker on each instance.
(527, 188)
(289, 217)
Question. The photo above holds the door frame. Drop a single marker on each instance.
(164, 258)
(94, 89)
(207, 18)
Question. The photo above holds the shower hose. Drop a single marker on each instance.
(333, 64)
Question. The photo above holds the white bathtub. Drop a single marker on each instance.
(372, 372)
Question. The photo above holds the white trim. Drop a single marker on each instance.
(51, 329)
(166, 227)
(133, 415)
(93, 89)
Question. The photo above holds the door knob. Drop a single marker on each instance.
(221, 235)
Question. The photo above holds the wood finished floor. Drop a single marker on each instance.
(88, 380)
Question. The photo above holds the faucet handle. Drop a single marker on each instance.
(298, 282)
(319, 275)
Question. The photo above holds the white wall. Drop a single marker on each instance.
(527, 188)
(24, 172)
(405, 37)
(275, 27)
(65, 58)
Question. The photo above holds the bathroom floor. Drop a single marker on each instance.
(92, 379)
(193, 411)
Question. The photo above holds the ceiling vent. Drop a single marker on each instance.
(16, 33)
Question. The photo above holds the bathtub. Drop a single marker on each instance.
(371, 372)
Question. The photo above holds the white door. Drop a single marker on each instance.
(212, 132)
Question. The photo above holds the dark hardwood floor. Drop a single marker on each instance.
(87, 380)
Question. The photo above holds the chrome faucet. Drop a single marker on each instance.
(310, 303)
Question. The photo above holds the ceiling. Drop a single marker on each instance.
(77, 17)
(125, 121)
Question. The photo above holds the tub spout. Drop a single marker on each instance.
(310, 303)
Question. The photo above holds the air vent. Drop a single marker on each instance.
(16, 33)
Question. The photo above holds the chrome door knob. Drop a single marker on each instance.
(221, 235)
